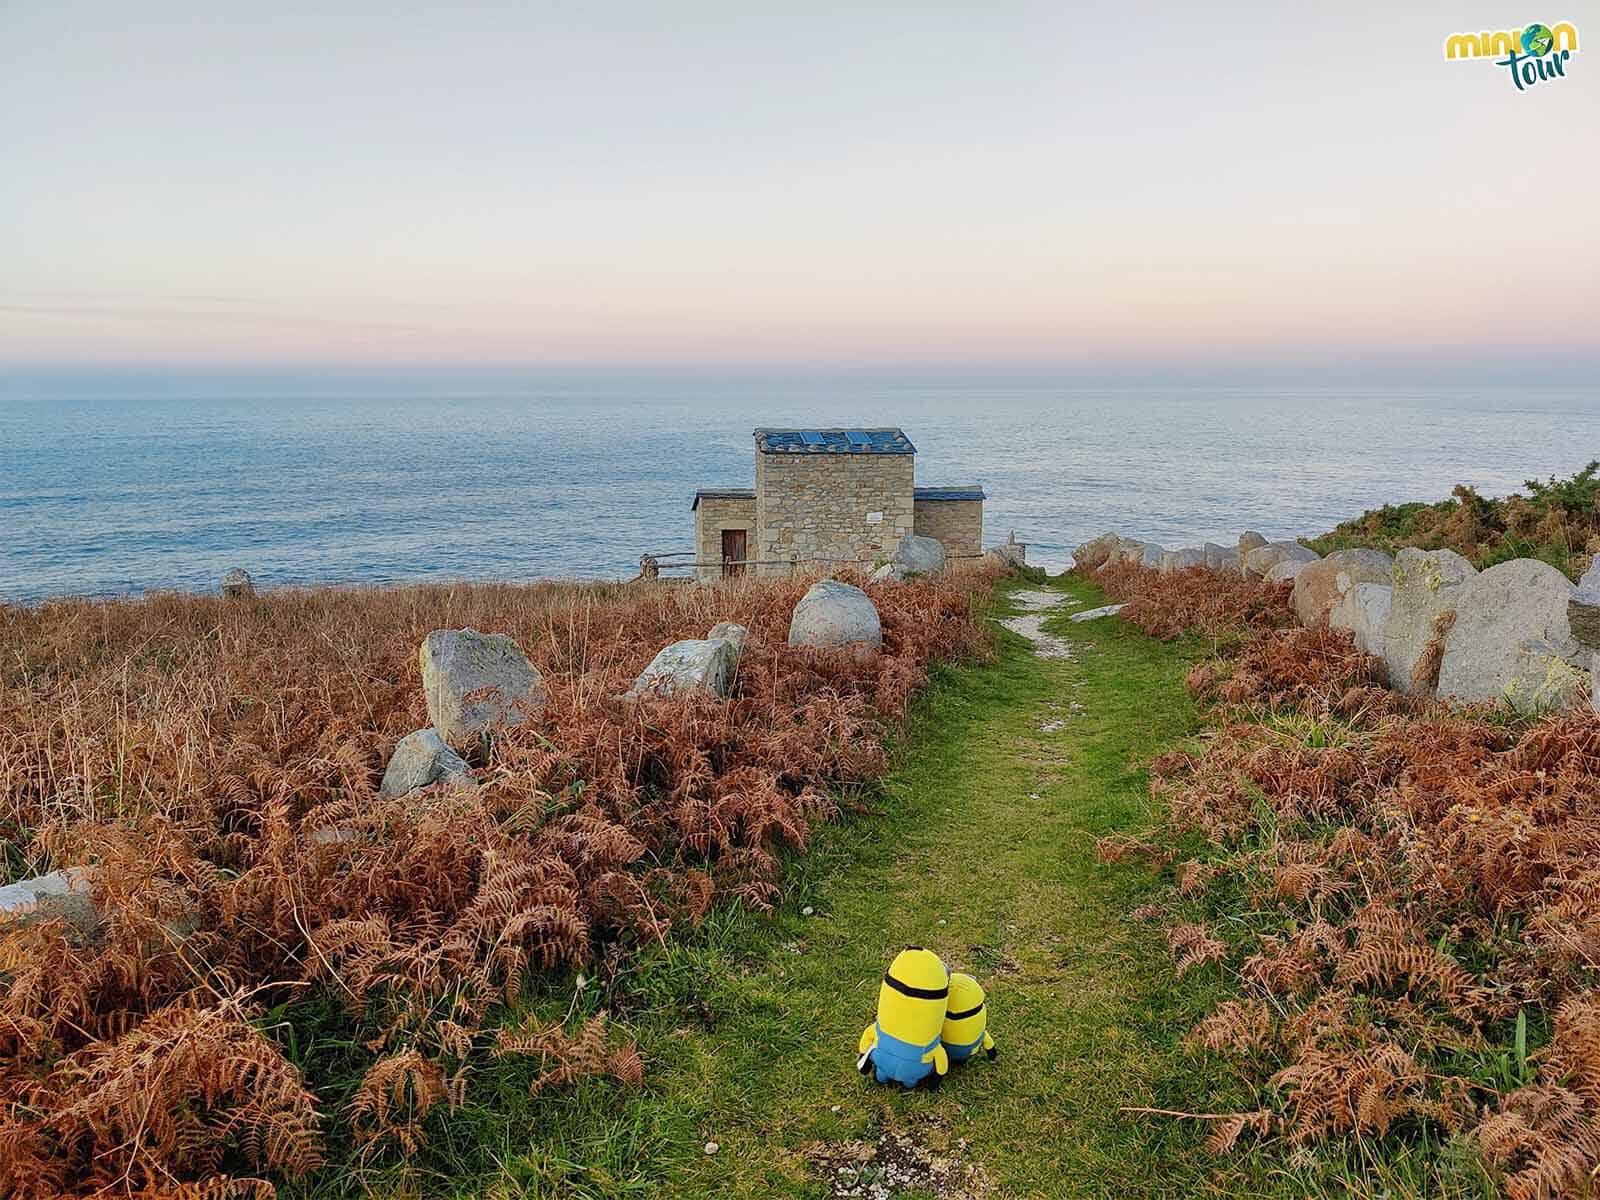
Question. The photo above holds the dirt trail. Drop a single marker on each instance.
(1040, 606)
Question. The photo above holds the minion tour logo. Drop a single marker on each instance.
(1532, 55)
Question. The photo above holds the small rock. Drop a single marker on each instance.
(688, 666)
(1094, 553)
(737, 634)
(1364, 611)
(836, 1109)
(1323, 583)
(1263, 558)
(889, 573)
(920, 555)
(1583, 610)
(1109, 610)
(807, 911)
(832, 615)
(1221, 558)
(712, 1148)
(1249, 540)
(237, 584)
(942, 921)
(421, 759)
(475, 681)
(65, 894)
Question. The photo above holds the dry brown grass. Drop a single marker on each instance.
(216, 764)
(1411, 895)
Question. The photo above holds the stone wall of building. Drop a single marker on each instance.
(956, 523)
(711, 517)
(824, 505)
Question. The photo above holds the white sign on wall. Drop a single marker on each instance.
(874, 518)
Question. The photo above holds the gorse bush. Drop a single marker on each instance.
(1558, 522)
(1404, 898)
(215, 764)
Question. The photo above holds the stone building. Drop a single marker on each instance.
(838, 494)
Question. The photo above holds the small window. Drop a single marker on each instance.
(811, 438)
(859, 437)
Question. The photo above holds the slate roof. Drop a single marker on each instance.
(833, 441)
(972, 492)
(722, 494)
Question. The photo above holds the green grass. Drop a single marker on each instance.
(979, 845)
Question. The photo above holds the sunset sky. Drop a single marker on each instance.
(1164, 185)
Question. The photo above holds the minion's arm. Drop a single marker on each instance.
(869, 1041)
(941, 1060)
(989, 1047)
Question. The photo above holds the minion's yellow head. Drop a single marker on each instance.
(911, 1001)
(965, 1016)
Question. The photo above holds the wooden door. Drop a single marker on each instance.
(733, 555)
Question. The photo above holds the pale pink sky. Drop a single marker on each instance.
(762, 183)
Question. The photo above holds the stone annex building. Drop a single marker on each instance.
(829, 494)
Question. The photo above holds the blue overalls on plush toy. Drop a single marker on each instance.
(903, 1045)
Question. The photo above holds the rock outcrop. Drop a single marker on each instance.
(919, 555)
(419, 760)
(1364, 611)
(1248, 540)
(475, 681)
(1511, 639)
(237, 584)
(1221, 558)
(1262, 559)
(689, 666)
(1427, 584)
(1181, 560)
(832, 615)
(1323, 584)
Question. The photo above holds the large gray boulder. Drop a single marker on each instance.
(1427, 584)
(1286, 571)
(1222, 558)
(237, 584)
(1364, 611)
(1249, 540)
(689, 666)
(737, 634)
(1263, 558)
(1511, 639)
(1150, 555)
(1128, 550)
(419, 760)
(832, 615)
(1583, 610)
(919, 555)
(475, 681)
(1180, 560)
(66, 895)
(1323, 583)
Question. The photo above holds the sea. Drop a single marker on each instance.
(166, 488)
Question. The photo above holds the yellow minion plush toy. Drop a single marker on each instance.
(902, 1046)
(966, 1020)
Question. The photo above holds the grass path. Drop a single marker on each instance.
(979, 846)
(984, 853)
